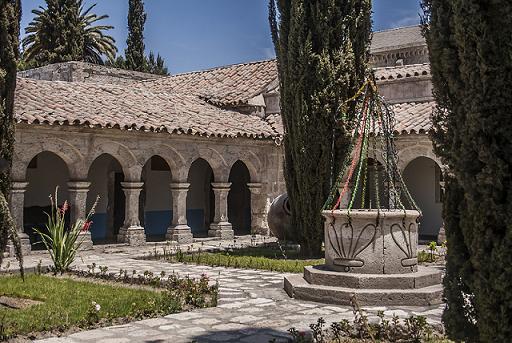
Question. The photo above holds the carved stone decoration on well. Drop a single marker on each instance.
(371, 242)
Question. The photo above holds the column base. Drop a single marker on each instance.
(26, 247)
(133, 235)
(222, 230)
(86, 239)
(441, 237)
(180, 233)
(260, 230)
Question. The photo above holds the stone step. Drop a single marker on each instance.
(297, 287)
(424, 277)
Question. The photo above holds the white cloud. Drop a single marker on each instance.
(407, 21)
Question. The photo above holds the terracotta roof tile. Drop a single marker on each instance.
(223, 86)
(397, 38)
(411, 118)
(401, 72)
(129, 108)
(276, 122)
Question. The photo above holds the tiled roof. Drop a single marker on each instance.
(129, 108)
(397, 38)
(276, 123)
(224, 86)
(413, 117)
(400, 72)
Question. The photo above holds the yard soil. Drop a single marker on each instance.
(17, 303)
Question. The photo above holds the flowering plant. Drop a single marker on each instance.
(62, 243)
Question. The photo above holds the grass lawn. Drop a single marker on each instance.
(67, 303)
(268, 257)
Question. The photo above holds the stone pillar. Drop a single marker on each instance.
(131, 232)
(441, 236)
(77, 191)
(16, 205)
(179, 231)
(220, 227)
(259, 224)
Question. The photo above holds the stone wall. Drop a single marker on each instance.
(400, 56)
(85, 72)
(411, 89)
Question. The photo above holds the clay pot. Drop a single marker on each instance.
(279, 217)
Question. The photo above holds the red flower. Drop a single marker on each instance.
(65, 207)
(87, 226)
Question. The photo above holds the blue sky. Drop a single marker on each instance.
(199, 34)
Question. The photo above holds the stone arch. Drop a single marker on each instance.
(423, 177)
(176, 161)
(105, 174)
(216, 161)
(239, 198)
(200, 197)
(155, 200)
(64, 150)
(251, 161)
(126, 158)
(44, 172)
(407, 155)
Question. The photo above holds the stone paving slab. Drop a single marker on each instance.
(253, 306)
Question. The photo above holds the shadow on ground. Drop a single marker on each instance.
(247, 335)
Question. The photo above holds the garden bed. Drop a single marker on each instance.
(270, 257)
(70, 303)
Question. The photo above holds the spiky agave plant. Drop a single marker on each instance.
(66, 31)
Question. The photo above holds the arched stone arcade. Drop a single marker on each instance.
(200, 197)
(158, 193)
(155, 204)
(44, 174)
(104, 178)
(239, 199)
(423, 177)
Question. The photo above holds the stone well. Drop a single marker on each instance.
(371, 242)
(371, 255)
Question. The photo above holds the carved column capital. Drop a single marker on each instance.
(221, 186)
(18, 186)
(255, 188)
(180, 186)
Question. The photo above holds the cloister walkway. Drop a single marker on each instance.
(253, 306)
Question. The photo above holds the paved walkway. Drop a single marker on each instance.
(252, 304)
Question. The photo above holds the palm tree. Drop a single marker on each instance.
(64, 31)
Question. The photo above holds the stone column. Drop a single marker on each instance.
(441, 236)
(179, 231)
(220, 227)
(259, 224)
(131, 232)
(77, 191)
(16, 205)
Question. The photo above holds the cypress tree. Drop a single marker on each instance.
(10, 14)
(134, 53)
(471, 55)
(322, 50)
